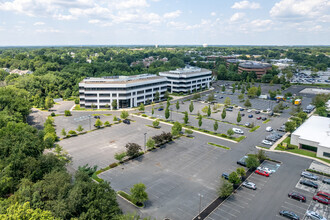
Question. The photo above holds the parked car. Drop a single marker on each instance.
(160, 109)
(309, 183)
(241, 109)
(225, 175)
(321, 199)
(238, 131)
(247, 124)
(288, 214)
(258, 118)
(249, 185)
(270, 171)
(269, 129)
(243, 115)
(262, 173)
(229, 109)
(271, 113)
(268, 109)
(324, 194)
(267, 142)
(257, 112)
(282, 128)
(327, 181)
(97, 117)
(250, 116)
(277, 135)
(297, 196)
(271, 138)
(264, 118)
(249, 110)
(242, 161)
(309, 175)
(126, 121)
(315, 216)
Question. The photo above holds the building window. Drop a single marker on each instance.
(307, 147)
(326, 154)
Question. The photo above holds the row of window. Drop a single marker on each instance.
(126, 88)
(188, 78)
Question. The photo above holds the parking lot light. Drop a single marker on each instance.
(200, 205)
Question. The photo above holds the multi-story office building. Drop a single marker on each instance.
(127, 91)
(187, 79)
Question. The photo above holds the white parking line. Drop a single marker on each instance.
(245, 191)
(295, 205)
(236, 204)
(231, 208)
(242, 196)
(295, 211)
(226, 213)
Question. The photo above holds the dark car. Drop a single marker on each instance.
(242, 161)
(270, 113)
(97, 117)
(257, 112)
(160, 109)
(309, 175)
(225, 175)
(250, 116)
(327, 181)
(258, 118)
(290, 215)
(321, 199)
(126, 121)
(264, 118)
(309, 183)
(242, 114)
(297, 196)
(229, 109)
(221, 97)
(241, 109)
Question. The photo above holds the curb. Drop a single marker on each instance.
(129, 201)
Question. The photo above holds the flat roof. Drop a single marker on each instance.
(186, 71)
(255, 65)
(316, 129)
(121, 79)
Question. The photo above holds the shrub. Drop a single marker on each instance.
(252, 162)
(225, 189)
(132, 149)
(120, 156)
(234, 178)
(107, 123)
(67, 113)
(53, 114)
(151, 143)
(155, 123)
(144, 115)
(72, 133)
(113, 165)
(291, 147)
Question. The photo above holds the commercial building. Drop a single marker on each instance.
(187, 79)
(127, 91)
(250, 66)
(314, 135)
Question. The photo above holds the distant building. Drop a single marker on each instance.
(314, 135)
(250, 66)
(187, 79)
(128, 91)
(17, 71)
(148, 61)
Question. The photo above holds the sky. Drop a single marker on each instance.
(164, 22)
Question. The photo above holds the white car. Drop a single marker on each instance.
(268, 109)
(249, 110)
(269, 129)
(249, 185)
(267, 142)
(266, 169)
(314, 215)
(238, 131)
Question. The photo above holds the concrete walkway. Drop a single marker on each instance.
(279, 141)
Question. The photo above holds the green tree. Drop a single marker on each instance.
(107, 123)
(239, 117)
(230, 132)
(215, 126)
(209, 111)
(223, 114)
(167, 113)
(225, 189)
(233, 89)
(227, 101)
(124, 114)
(261, 155)
(234, 178)
(132, 149)
(138, 193)
(168, 104)
(240, 171)
(177, 105)
(120, 156)
(157, 96)
(176, 128)
(72, 133)
(166, 95)
(241, 97)
(210, 97)
(243, 90)
(155, 123)
(272, 94)
(185, 118)
(80, 128)
(98, 123)
(259, 91)
(152, 111)
(200, 122)
(290, 126)
(18, 211)
(114, 104)
(67, 113)
(191, 107)
(188, 132)
(141, 107)
(252, 162)
(150, 143)
(49, 102)
(63, 132)
(321, 111)
(252, 92)
(223, 88)
(247, 103)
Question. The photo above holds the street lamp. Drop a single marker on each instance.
(145, 141)
(200, 205)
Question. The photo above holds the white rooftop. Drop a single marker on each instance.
(316, 129)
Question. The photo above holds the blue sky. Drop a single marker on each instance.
(124, 22)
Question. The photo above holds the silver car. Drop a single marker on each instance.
(249, 185)
(309, 175)
(314, 215)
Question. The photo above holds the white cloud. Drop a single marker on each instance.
(39, 23)
(213, 14)
(245, 5)
(237, 16)
(300, 9)
(48, 30)
(127, 4)
(173, 14)
(94, 21)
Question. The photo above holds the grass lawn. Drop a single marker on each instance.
(268, 120)
(254, 128)
(218, 145)
(129, 198)
(303, 152)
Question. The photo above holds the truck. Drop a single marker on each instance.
(297, 102)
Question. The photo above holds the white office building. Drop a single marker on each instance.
(127, 91)
(187, 79)
(314, 135)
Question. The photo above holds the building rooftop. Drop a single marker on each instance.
(186, 71)
(254, 65)
(121, 79)
(316, 129)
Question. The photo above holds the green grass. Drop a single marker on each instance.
(107, 114)
(268, 120)
(191, 137)
(96, 114)
(77, 107)
(129, 198)
(304, 152)
(263, 147)
(218, 145)
(254, 128)
(152, 126)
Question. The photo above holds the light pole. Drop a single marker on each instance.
(200, 205)
(145, 141)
